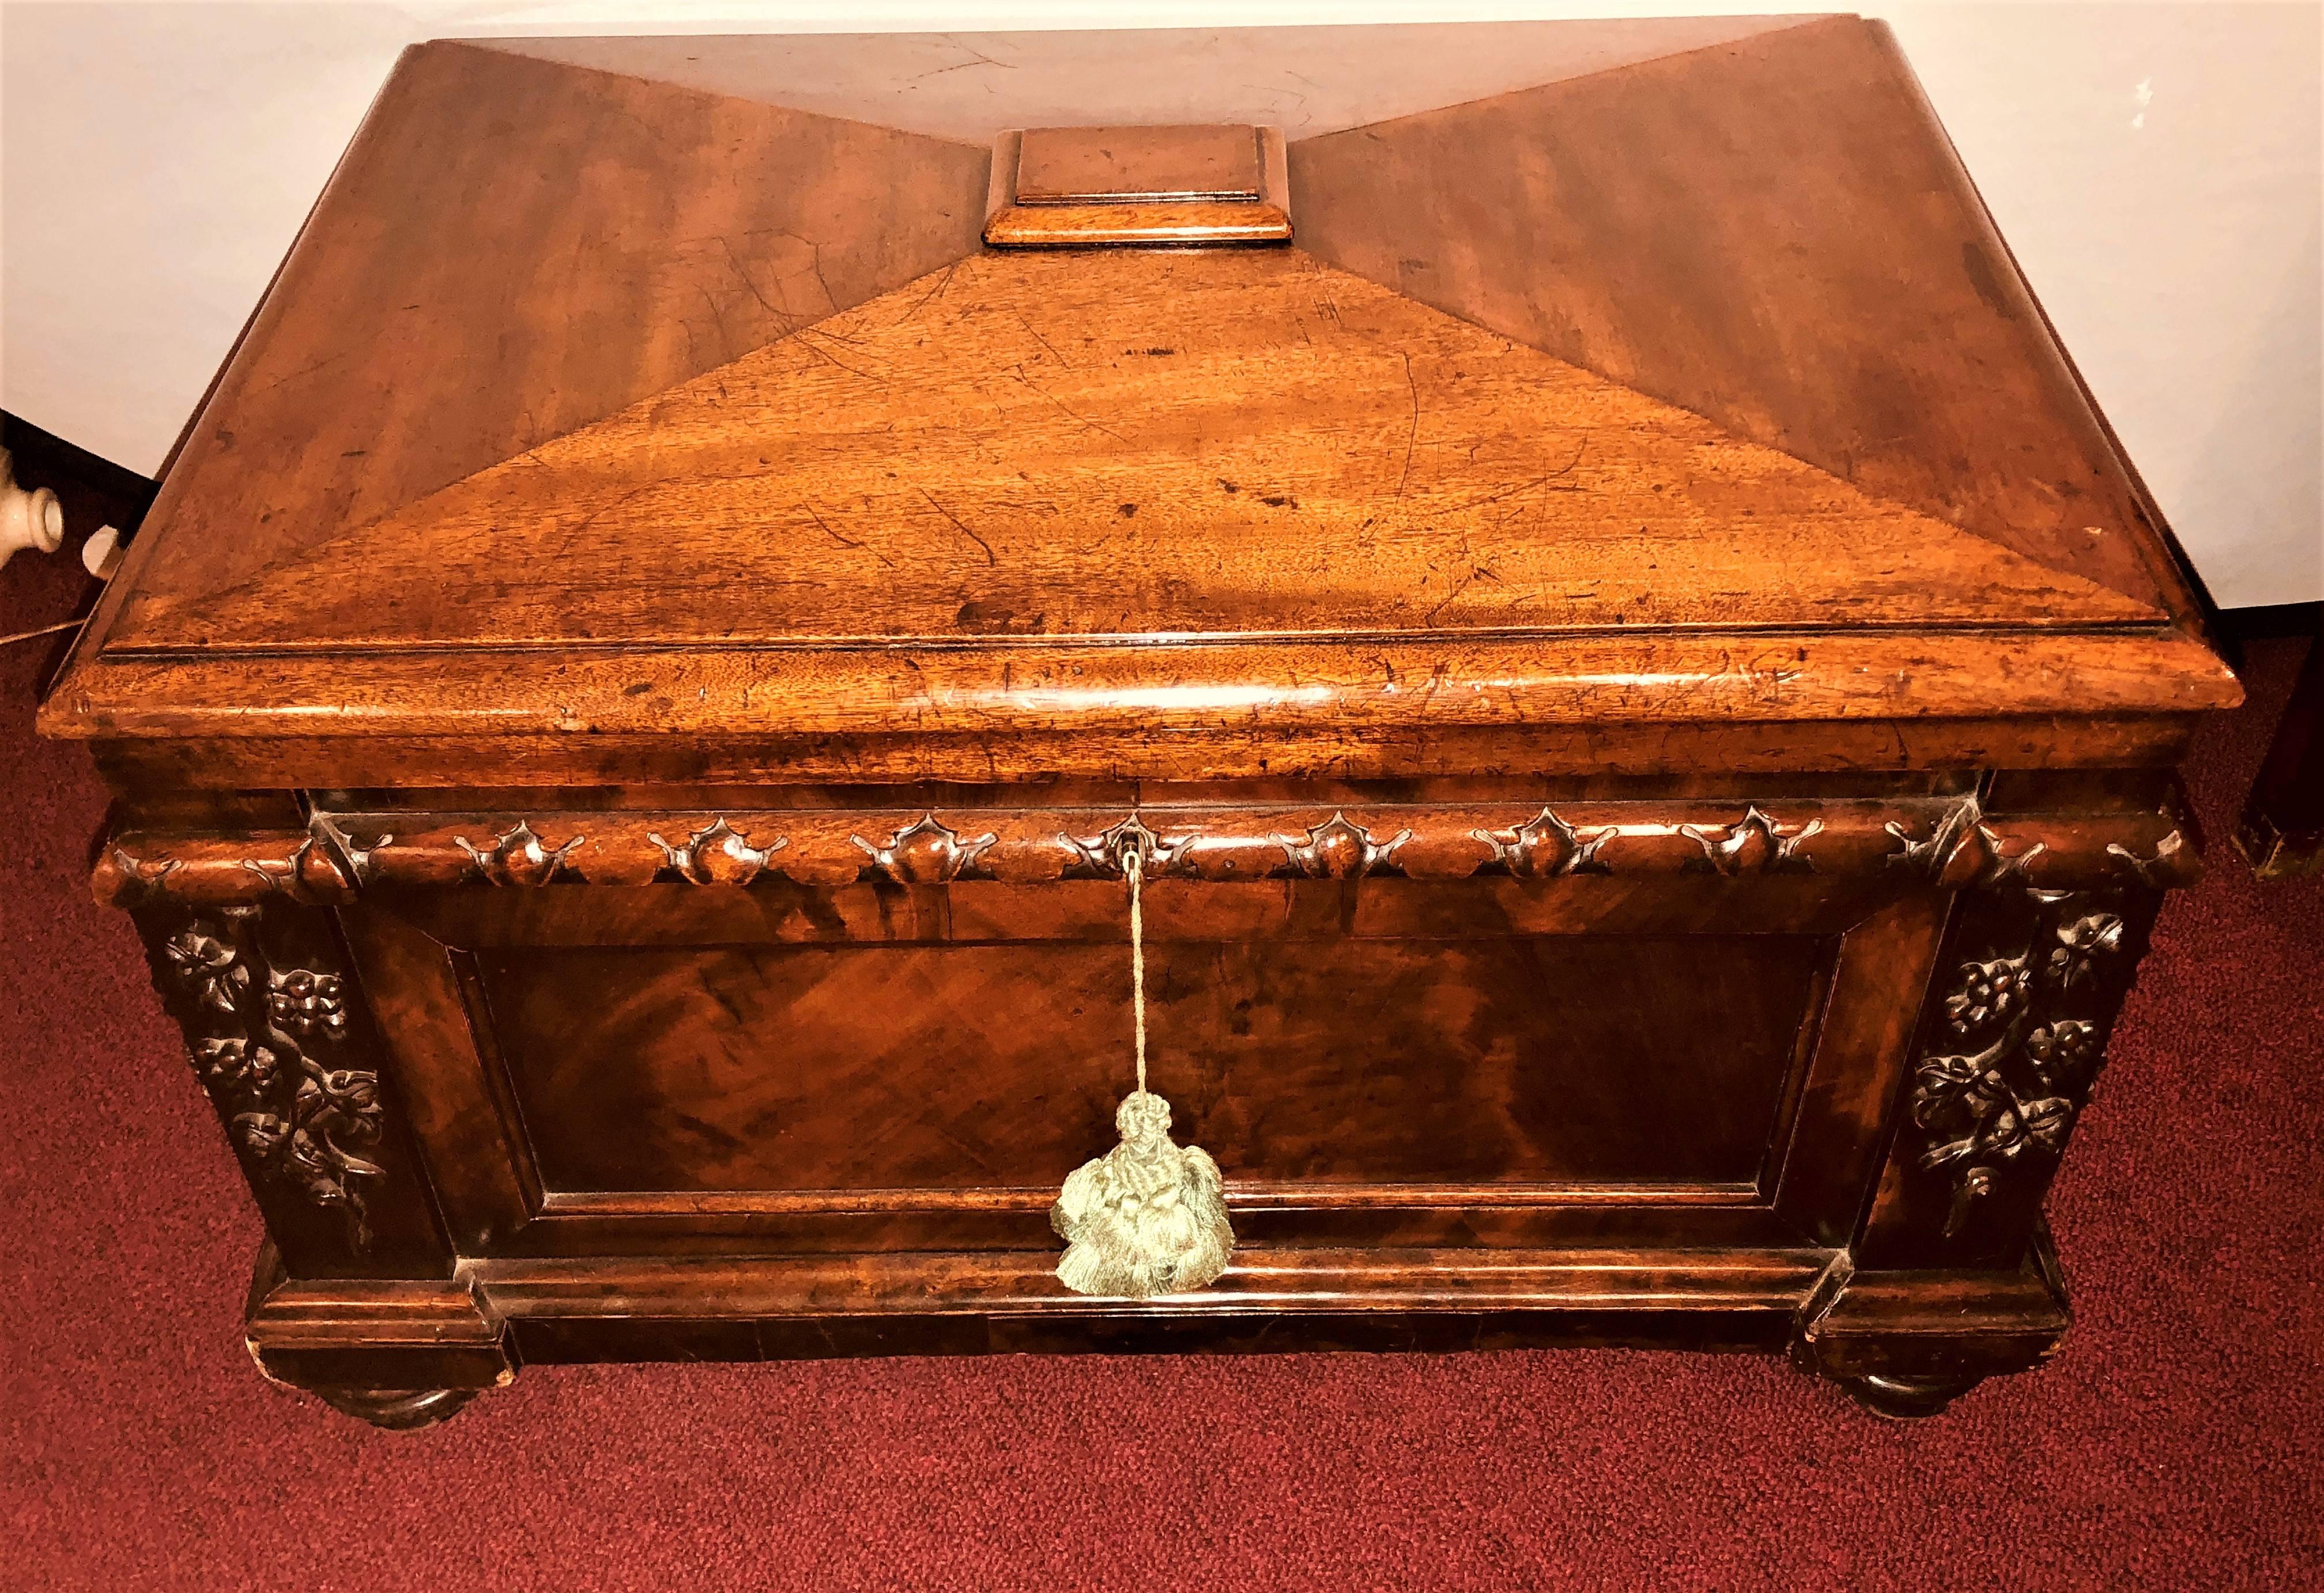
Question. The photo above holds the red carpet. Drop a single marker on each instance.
(2178, 1441)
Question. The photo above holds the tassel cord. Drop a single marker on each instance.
(1149, 1216)
(1133, 863)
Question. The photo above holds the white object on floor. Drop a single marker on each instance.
(27, 519)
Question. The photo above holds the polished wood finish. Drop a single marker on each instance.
(1728, 229)
(1907, 1344)
(1078, 187)
(1121, 165)
(1951, 840)
(414, 335)
(1213, 519)
(1316, 482)
(1642, 691)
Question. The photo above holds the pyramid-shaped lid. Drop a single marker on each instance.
(593, 403)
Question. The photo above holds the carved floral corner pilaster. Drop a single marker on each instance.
(1754, 843)
(1339, 850)
(1546, 847)
(1104, 854)
(263, 1040)
(519, 857)
(716, 854)
(926, 851)
(2033, 1015)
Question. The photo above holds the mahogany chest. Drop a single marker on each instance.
(1641, 688)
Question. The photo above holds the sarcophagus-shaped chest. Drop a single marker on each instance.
(1637, 689)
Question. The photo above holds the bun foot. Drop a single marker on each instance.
(397, 1410)
(1905, 1399)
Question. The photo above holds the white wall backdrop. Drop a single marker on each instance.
(2158, 169)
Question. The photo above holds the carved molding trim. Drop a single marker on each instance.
(358, 855)
(1963, 847)
(1102, 856)
(1753, 844)
(1948, 844)
(716, 854)
(519, 857)
(928, 851)
(1338, 850)
(2161, 870)
(1545, 846)
(1934, 856)
(2032, 1014)
(261, 1044)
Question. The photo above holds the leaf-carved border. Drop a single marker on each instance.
(1943, 845)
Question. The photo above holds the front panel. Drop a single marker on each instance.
(1668, 1034)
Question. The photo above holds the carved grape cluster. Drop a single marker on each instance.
(307, 1004)
(1988, 991)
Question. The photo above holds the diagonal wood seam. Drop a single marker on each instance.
(575, 51)
(2158, 608)
(911, 297)
(1790, 24)
(392, 117)
(503, 47)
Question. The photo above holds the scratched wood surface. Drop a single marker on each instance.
(1063, 503)
(1064, 165)
(512, 249)
(1237, 442)
(1776, 233)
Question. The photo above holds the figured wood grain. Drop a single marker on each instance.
(1091, 912)
(1312, 1278)
(1404, 542)
(1380, 1062)
(1395, 1218)
(1310, 1298)
(1209, 442)
(1118, 711)
(1773, 232)
(512, 249)
(1306, 78)
(1943, 749)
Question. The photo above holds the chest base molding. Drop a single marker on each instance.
(1901, 1343)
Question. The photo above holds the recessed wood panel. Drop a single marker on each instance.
(1535, 1059)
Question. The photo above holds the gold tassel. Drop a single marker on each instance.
(1150, 1217)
